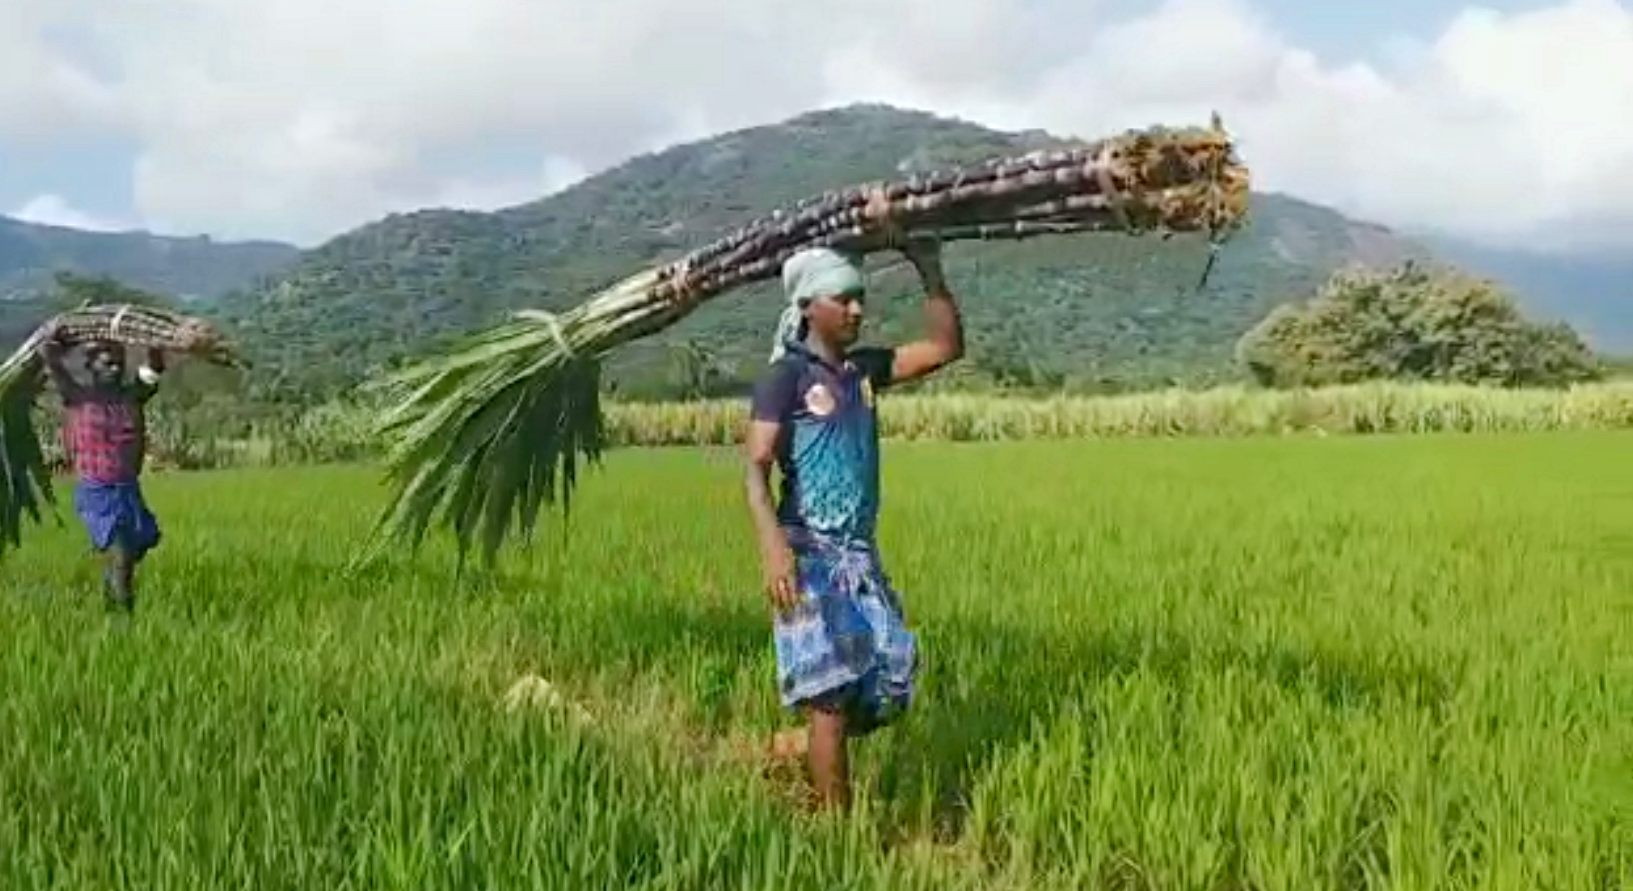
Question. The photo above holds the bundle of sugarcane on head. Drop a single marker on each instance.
(104, 430)
(489, 434)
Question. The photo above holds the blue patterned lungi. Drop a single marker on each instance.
(115, 513)
(848, 643)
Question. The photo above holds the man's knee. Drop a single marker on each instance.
(844, 711)
(833, 707)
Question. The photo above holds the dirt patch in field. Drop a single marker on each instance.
(645, 713)
(533, 692)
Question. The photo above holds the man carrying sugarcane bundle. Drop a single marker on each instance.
(844, 654)
(105, 435)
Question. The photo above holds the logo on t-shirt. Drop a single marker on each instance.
(819, 401)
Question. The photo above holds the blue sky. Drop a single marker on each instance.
(199, 123)
(1359, 30)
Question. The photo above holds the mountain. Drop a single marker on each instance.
(187, 268)
(1106, 308)
(1592, 291)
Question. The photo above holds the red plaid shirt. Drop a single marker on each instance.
(105, 436)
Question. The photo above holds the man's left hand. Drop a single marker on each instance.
(925, 255)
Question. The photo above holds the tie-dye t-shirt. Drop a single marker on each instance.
(828, 455)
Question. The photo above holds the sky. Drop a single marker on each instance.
(1504, 123)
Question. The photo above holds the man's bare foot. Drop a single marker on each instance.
(785, 757)
(780, 760)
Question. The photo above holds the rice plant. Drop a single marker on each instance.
(1267, 663)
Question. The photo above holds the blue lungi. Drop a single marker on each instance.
(115, 513)
(847, 644)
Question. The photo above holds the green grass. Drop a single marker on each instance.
(1206, 664)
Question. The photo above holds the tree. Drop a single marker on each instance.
(1412, 323)
(74, 290)
(694, 371)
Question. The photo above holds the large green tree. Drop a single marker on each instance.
(74, 290)
(1412, 322)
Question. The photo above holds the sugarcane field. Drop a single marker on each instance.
(865, 498)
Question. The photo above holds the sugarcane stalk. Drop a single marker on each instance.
(486, 435)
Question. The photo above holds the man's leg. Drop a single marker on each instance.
(823, 649)
(829, 755)
(876, 700)
(119, 574)
(109, 536)
(136, 535)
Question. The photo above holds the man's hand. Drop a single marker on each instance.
(944, 340)
(51, 346)
(51, 351)
(781, 580)
(925, 255)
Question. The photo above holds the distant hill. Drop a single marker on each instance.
(187, 268)
(1108, 308)
(1591, 291)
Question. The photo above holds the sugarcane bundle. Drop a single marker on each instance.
(27, 474)
(487, 435)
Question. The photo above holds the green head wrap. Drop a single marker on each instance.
(806, 276)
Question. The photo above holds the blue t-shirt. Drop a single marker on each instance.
(828, 455)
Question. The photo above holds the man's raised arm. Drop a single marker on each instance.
(51, 350)
(943, 342)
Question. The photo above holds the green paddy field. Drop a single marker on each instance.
(1278, 664)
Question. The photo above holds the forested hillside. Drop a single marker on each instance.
(184, 268)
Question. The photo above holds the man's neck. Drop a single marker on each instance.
(108, 390)
(823, 350)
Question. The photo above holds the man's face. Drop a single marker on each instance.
(106, 363)
(836, 319)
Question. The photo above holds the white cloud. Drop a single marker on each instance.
(299, 118)
(43, 92)
(494, 193)
(54, 210)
